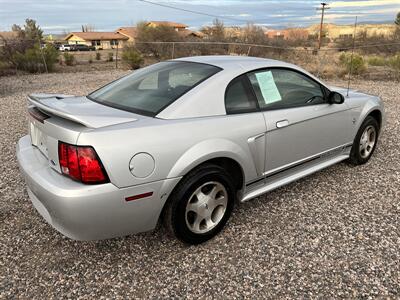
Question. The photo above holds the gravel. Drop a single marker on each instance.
(335, 234)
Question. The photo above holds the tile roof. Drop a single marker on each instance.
(167, 23)
(97, 35)
(8, 35)
(128, 31)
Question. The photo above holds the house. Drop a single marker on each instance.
(7, 35)
(101, 40)
(129, 32)
(188, 34)
(277, 34)
(333, 31)
(177, 26)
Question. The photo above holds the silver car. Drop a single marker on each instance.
(185, 140)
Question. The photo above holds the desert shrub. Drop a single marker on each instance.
(69, 58)
(376, 61)
(110, 56)
(98, 55)
(132, 57)
(36, 60)
(394, 62)
(355, 64)
(146, 36)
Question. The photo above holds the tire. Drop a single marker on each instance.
(191, 214)
(360, 154)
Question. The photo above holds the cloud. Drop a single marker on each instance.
(55, 15)
(363, 3)
(238, 15)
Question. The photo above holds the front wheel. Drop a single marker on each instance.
(365, 141)
(200, 205)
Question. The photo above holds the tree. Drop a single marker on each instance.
(397, 20)
(146, 36)
(32, 31)
(253, 34)
(216, 32)
(88, 28)
(25, 52)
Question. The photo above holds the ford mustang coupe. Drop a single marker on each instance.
(183, 141)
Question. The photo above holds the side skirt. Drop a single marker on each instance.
(273, 181)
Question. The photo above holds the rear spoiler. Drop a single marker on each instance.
(36, 101)
(77, 109)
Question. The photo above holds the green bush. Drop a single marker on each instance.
(394, 62)
(69, 59)
(36, 60)
(98, 55)
(132, 57)
(355, 64)
(110, 56)
(376, 61)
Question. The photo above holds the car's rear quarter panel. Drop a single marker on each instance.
(177, 146)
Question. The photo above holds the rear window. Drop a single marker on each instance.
(148, 91)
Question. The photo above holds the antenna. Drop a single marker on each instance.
(351, 58)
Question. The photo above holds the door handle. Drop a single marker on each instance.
(282, 123)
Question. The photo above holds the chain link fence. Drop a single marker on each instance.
(374, 61)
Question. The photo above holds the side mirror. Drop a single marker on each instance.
(335, 98)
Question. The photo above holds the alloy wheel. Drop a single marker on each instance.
(206, 207)
(367, 141)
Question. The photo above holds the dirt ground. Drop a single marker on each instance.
(334, 234)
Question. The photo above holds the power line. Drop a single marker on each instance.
(193, 11)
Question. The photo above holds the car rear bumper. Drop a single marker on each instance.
(89, 212)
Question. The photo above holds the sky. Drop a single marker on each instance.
(59, 16)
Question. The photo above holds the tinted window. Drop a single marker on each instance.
(150, 90)
(238, 98)
(282, 88)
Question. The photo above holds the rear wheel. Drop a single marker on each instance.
(200, 205)
(365, 141)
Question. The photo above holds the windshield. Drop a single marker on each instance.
(149, 90)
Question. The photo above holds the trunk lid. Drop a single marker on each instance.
(81, 110)
(58, 117)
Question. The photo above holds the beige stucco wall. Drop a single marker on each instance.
(335, 31)
(104, 44)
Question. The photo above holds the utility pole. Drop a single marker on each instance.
(351, 58)
(323, 7)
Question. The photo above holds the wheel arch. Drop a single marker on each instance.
(374, 110)
(220, 152)
(377, 115)
(229, 164)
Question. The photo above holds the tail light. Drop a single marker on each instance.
(81, 163)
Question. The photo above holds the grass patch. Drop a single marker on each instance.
(376, 61)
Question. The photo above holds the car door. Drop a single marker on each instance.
(301, 124)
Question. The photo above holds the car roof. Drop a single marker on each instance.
(207, 99)
(244, 62)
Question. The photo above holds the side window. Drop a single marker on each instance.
(238, 98)
(282, 88)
